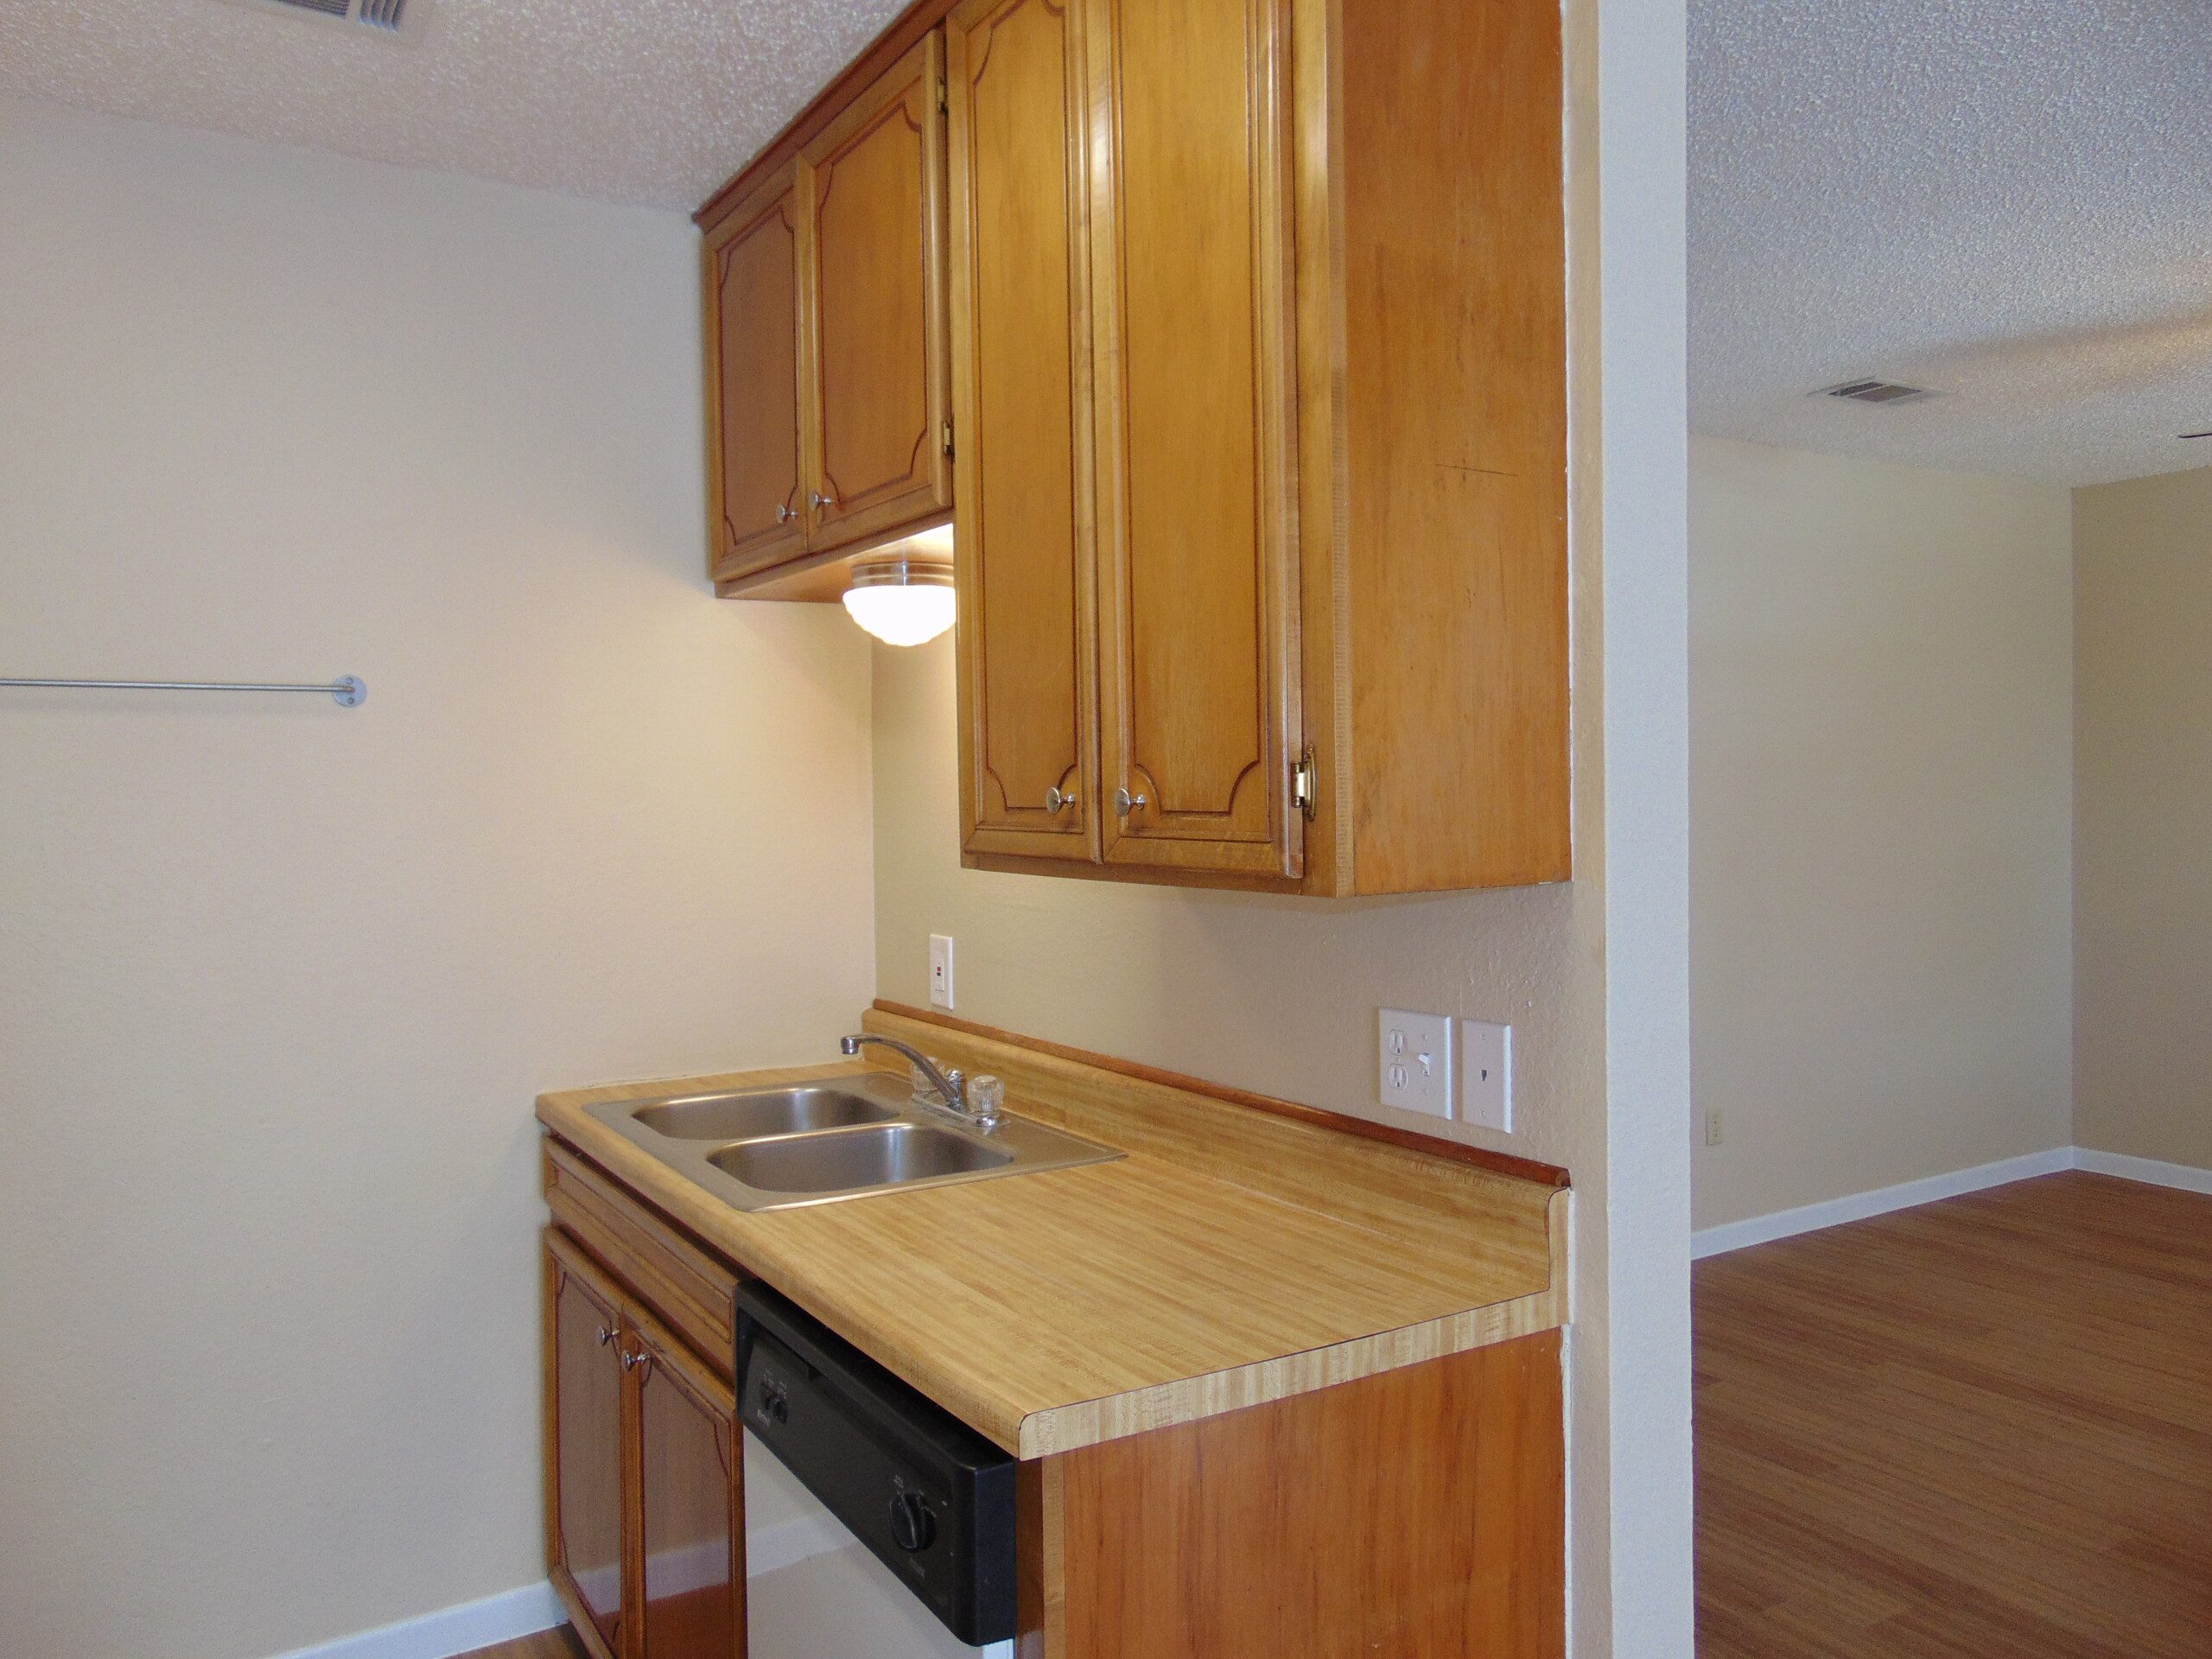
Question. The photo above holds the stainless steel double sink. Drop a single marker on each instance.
(844, 1137)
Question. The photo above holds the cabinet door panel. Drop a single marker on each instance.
(873, 194)
(1021, 370)
(752, 369)
(1198, 632)
(584, 1442)
(691, 1505)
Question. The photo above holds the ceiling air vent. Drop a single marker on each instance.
(1874, 392)
(397, 20)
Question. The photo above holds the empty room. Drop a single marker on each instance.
(1951, 781)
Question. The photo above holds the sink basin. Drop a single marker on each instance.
(751, 1116)
(890, 1155)
(844, 1134)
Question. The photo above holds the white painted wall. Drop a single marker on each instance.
(1279, 995)
(279, 981)
(2143, 819)
(1882, 684)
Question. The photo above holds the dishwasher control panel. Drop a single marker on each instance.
(930, 1497)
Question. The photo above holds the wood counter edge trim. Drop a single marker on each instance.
(1498, 1163)
(1191, 1400)
(897, 40)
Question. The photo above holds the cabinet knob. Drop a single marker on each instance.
(784, 515)
(636, 1357)
(605, 1335)
(1054, 800)
(819, 501)
(1125, 803)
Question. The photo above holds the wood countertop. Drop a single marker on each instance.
(1235, 1255)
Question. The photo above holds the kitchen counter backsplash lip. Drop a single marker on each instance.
(1059, 1309)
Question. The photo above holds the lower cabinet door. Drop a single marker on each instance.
(584, 1440)
(691, 1500)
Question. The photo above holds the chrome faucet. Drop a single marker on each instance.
(973, 1099)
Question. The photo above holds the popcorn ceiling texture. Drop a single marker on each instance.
(642, 101)
(2009, 201)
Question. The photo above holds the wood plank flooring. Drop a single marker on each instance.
(1980, 1429)
(550, 1645)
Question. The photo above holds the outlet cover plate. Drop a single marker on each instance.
(940, 971)
(1487, 1075)
(1414, 1068)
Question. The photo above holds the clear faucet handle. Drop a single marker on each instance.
(986, 1097)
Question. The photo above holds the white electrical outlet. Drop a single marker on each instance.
(1415, 1065)
(1714, 1127)
(940, 971)
(1487, 1075)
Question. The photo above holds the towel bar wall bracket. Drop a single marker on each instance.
(348, 692)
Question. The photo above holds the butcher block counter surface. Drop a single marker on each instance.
(1237, 1254)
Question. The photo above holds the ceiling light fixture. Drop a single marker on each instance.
(901, 602)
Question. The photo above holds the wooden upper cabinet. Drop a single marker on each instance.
(872, 188)
(1258, 372)
(754, 483)
(1021, 372)
(1197, 628)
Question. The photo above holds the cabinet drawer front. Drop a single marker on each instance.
(752, 382)
(872, 187)
(1198, 631)
(688, 1288)
(1021, 367)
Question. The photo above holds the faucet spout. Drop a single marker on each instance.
(948, 1085)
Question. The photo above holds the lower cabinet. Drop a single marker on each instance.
(643, 1483)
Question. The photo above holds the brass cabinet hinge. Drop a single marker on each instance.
(948, 437)
(1303, 792)
(943, 98)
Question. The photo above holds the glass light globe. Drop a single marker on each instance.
(899, 601)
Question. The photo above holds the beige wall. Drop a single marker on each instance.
(2143, 819)
(1880, 691)
(277, 980)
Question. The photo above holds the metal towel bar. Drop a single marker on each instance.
(349, 692)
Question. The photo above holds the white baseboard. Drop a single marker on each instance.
(534, 1608)
(450, 1631)
(1858, 1206)
(2149, 1171)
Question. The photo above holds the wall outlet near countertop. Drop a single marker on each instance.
(940, 971)
(1487, 1075)
(1414, 1069)
(1715, 1125)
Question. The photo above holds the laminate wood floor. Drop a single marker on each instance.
(560, 1644)
(1980, 1429)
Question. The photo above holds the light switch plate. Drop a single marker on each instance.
(1414, 1070)
(940, 971)
(1487, 1075)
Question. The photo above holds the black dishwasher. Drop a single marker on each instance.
(931, 1498)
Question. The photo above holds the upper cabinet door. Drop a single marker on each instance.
(872, 190)
(1021, 374)
(1197, 590)
(754, 484)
